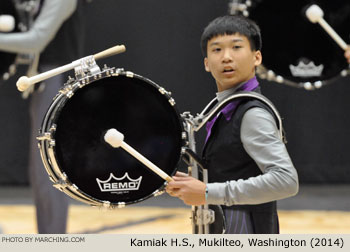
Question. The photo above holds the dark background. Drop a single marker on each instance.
(162, 40)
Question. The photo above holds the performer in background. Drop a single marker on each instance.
(57, 35)
(248, 165)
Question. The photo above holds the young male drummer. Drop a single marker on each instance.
(248, 164)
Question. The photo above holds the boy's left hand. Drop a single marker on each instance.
(190, 190)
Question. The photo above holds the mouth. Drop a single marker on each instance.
(228, 70)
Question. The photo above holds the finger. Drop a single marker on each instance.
(174, 193)
(177, 193)
(184, 178)
(181, 174)
(179, 179)
(171, 193)
(171, 185)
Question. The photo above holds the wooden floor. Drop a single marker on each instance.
(20, 219)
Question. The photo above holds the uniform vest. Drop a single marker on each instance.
(226, 159)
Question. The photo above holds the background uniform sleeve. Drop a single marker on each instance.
(45, 27)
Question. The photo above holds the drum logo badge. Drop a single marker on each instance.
(119, 185)
(306, 70)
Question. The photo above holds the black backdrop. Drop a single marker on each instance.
(162, 40)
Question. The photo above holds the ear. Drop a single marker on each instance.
(257, 58)
(206, 64)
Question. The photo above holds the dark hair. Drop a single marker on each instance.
(231, 24)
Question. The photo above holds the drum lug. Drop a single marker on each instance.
(163, 91)
(67, 91)
(47, 135)
(69, 94)
(52, 143)
(172, 102)
(44, 136)
(158, 193)
(109, 71)
(129, 74)
(106, 205)
(121, 204)
(70, 80)
(97, 76)
(74, 187)
(82, 83)
(117, 72)
(62, 183)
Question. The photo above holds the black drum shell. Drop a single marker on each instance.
(135, 107)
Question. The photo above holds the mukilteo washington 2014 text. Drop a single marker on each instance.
(225, 242)
(251, 242)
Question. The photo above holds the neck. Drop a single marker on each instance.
(249, 85)
(222, 95)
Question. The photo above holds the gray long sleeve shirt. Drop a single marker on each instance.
(260, 139)
(45, 27)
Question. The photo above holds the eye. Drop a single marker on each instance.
(217, 49)
(237, 46)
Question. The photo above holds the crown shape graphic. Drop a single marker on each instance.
(306, 70)
(114, 184)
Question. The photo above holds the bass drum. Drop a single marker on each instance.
(296, 51)
(83, 165)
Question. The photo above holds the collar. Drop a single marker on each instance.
(228, 110)
(250, 85)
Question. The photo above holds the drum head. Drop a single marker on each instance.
(7, 8)
(297, 49)
(150, 125)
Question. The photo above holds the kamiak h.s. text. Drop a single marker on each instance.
(173, 242)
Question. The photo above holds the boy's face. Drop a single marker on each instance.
(230, 60)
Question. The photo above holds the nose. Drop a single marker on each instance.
(227, 56)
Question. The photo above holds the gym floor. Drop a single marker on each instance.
(317, 209)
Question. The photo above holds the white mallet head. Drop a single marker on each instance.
(7, 23)
(114, 138)
(314, 13)
(23, 83)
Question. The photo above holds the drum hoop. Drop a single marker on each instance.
(47, 136)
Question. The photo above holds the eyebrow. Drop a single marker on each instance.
(233, 40)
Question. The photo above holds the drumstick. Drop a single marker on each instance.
(315, 14)
(116, 140)
(25, 82)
